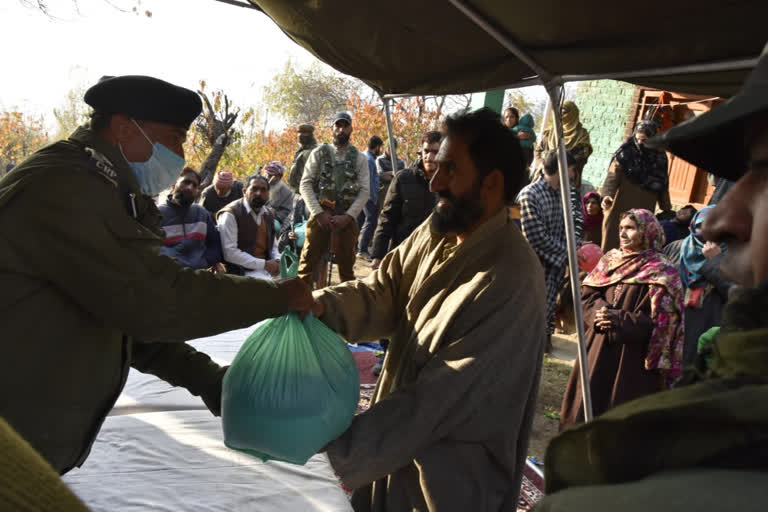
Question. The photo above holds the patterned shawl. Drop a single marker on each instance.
(573, 133)
(591, 221)
(650, 267)
(642, 165)
(691, 257)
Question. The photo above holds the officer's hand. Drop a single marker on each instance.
(272, 266)
(299, 295)
(339, 222)
(318, 309)
(324, 220)
(375, 263)
(220, 268)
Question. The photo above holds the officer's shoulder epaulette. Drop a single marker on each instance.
(102, 165)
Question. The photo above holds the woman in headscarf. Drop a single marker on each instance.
(637, 178)
(592, 216)
(706, 290)
(576, 140)
(633, 306)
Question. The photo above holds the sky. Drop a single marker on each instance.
(232, 48)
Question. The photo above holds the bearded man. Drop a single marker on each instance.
(462, 302)
(191, 237)
(335, 187)
(247, 228)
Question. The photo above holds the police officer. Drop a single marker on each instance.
(335, 188)
(85, 291)
(307, 143)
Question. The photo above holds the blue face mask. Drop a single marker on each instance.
(160, 171)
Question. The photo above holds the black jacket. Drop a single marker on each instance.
(408, 203)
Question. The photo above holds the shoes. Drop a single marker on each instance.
(364, 255)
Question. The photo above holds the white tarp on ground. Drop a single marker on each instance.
(161, 450)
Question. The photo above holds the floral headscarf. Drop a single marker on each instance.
(591, 221)
(691, 257)
(650, 267)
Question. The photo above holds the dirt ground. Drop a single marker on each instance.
(554, 376)
(556, 369)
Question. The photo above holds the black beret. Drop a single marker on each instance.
(146, 99)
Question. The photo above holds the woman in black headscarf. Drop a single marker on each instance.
(637, 178)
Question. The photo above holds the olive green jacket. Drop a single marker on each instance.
(82, 280)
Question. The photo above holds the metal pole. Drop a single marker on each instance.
(556, 93)
(390, 134)
(544, 123)
(711, 67)
(707, 67)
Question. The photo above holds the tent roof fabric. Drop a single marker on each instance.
(430, 47)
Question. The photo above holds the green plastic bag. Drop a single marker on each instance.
(293, 387)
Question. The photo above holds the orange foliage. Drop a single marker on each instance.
(410, 120)
(20, 136)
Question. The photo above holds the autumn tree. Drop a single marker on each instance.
(72, 113)
(308, 95)
(20, 136)
(213, 132)
(526, 104)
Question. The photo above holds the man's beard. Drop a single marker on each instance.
(256, 203)
(341, 139)
(459, 214)
(181, 199)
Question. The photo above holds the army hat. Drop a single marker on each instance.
(341, 116)
(146, 99)
(714, 141)
(306, 128)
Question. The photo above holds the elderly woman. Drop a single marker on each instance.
(592, 217)
(576, 141)
(637, 178)
(633, 306)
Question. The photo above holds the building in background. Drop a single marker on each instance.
(609, 110)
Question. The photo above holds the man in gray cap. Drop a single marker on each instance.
(335, 188)
(703, 444)
(86, 292)
(307, 143)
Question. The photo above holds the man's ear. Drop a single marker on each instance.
(494, 181)
(122, 127)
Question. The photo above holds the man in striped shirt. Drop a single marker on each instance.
(191, 237)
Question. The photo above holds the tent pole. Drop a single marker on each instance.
(390, 134)
(707, 67)
(556, 93)
(544, 123)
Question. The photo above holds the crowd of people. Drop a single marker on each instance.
(465, 297)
